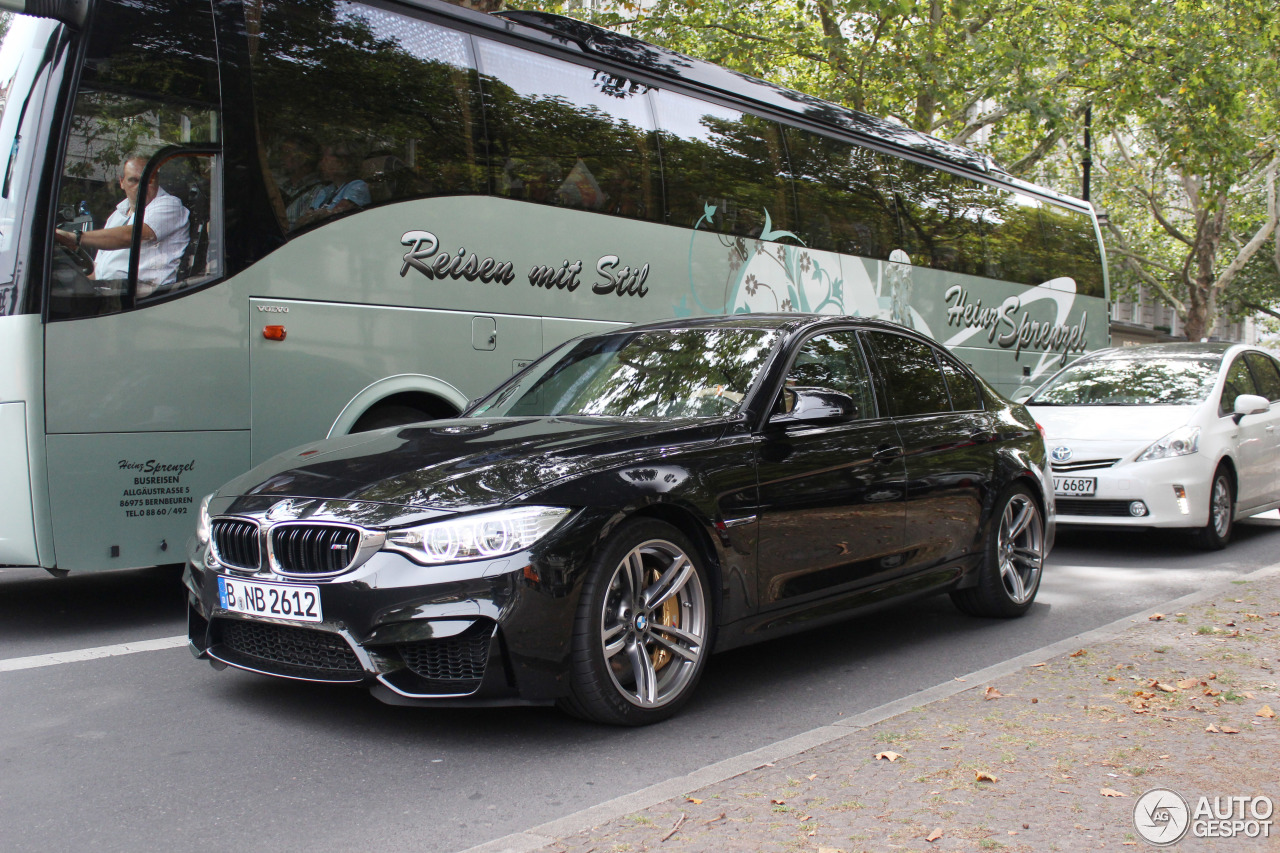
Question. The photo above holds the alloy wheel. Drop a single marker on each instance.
(653, 625)
(1021, 548)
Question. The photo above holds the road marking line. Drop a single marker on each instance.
(35, 661)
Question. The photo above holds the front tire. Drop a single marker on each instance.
(1013, 559)
(642, 631)
(1215, 535)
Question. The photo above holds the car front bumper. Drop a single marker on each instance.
(1151, 484)
(477, 633)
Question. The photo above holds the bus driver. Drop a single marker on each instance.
(164, 234)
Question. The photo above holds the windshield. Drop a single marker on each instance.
(1131, 382)
(675, 373)
(25, 57)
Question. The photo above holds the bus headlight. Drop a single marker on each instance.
(1181, 442)
(475, 537)
(204, 525)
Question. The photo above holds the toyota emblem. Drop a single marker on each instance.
(1061, 453)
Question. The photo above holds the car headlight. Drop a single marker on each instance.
(204, 525)
(1181, 442)
(475, 537)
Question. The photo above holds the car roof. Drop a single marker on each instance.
(1204, 349)
(787, 322)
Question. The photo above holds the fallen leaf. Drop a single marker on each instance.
(1211, 728)
(813, 776)
(1165, 687)
(1155, 617)
(1034, 701)
(933, 836)
(1038, 664)
(1209, 691)
(992, 693)
(830, 850)
(1227, 730)
(890, 756)
(779, 802)
(694, 800)
(1111, 678)
(1111, 792)
(1187, 683)
(806, 818)
(1266, 712)
(986, 777)
(1078, 654)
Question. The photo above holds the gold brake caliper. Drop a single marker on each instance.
(671, 617)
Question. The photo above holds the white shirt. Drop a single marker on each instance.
(160, 257)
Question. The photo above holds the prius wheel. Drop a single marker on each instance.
(1215, 535)
(1012, 560)
(642, 631)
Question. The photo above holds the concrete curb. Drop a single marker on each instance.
(580, 821)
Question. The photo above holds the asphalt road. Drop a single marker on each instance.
(156, 751)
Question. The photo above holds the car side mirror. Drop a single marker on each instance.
(1249, 404)
(815, 406)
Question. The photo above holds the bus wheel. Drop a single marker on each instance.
(393, 415)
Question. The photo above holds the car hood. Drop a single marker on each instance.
(1120, 424)
(464, 463)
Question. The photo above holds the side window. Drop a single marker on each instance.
(358, 105)
(139, 101)
(944, 219)
(723, 170)
(568, 135)
(843, 196)
(1239, 381)
(833, 361)
(1071, 248)
(1266, 375)
(914, 384)
(964, 393)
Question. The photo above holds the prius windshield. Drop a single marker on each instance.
(1131, 382)
(668, 373)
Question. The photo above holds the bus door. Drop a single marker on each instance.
(146, 407)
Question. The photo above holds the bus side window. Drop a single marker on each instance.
(723, 170)
(359, 105)
(843, 196)
(568, 135)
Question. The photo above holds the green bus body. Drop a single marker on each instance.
(504, 215)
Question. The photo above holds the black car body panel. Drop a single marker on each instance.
(797, 524)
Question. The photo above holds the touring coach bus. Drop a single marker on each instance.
(377, 210)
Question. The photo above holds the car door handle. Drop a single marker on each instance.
(887, 453)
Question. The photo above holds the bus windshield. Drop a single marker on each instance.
(26, 53)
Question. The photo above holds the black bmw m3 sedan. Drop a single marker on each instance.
(590, 531)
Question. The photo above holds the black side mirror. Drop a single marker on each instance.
(815, 406)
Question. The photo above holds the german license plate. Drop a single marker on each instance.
(1075, 487)
(280, 601)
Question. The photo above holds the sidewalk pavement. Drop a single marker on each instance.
(1052, 754)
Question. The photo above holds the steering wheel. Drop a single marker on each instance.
(82, 260)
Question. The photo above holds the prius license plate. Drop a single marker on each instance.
(280, 601)
(1075, 487)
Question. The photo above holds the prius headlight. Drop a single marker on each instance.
(476, 537)
(204, 525)
(1181, 442)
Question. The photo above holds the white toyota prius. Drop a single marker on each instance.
(1164, 435)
